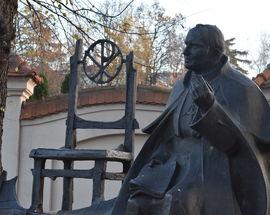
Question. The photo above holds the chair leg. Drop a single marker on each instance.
(38, 186)
(67, 199)
(98, 181)
(126, 167)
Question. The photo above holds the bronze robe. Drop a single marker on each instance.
(205, 164)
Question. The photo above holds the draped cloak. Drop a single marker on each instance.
(221, 168)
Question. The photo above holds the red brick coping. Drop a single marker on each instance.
(93, 96)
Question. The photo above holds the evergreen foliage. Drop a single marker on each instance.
(65, 84)
(236, 57)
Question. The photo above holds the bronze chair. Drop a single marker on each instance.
(68, 154)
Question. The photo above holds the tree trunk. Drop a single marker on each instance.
(8, 11)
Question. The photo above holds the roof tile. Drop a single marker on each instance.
(93, 96)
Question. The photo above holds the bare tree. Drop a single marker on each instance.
(158, 42)
(165, 40)
(264, 54)
(83, 16)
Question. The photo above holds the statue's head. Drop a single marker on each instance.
(204, 47)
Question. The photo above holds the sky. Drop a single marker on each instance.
(246, 20)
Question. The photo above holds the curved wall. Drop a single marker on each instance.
(49, 132)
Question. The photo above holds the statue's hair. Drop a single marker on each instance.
(212, 36)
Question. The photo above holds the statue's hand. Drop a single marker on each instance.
(202, 94)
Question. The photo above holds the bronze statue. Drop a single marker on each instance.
(206, 154)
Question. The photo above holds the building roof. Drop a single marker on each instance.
(19, 68)
(263, 79)
(93, 96)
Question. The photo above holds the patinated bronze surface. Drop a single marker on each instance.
(206, 154)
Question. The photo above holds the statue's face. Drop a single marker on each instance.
(197, 53)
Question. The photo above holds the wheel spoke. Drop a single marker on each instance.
(102, 72)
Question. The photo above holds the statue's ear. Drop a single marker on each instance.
(216, 53)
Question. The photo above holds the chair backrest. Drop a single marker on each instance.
(102, 76)
(109, 53)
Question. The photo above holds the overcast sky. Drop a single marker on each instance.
(244, 19)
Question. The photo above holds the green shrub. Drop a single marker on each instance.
(65, 84)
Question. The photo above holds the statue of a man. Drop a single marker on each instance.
(206, 151)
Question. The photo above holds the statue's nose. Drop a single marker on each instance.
(185, 52)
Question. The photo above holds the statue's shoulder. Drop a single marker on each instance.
(238, 87)
(239, 78)
(246, 100)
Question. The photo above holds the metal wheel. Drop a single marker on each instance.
(106, 59)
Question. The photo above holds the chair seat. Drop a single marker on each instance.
(80, 154)
(103, 208)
